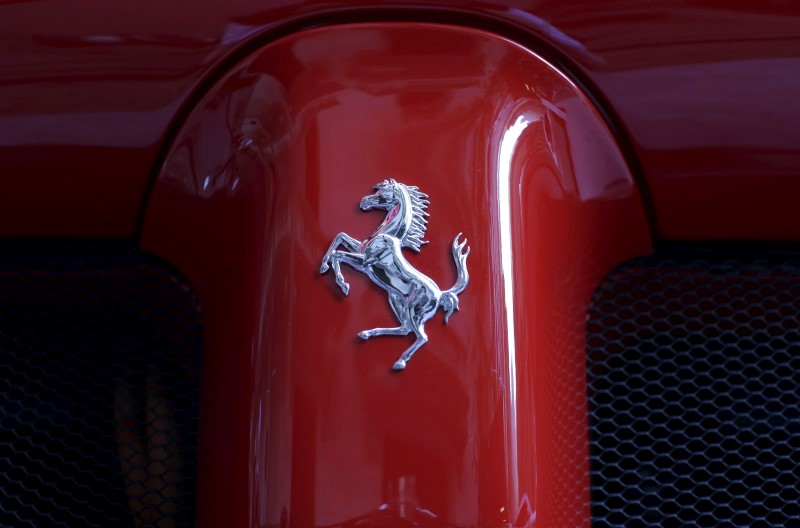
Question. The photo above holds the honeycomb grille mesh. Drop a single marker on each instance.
(99, 363)
(694, 389)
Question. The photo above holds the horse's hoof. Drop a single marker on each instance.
(345, 288)
(399, 365)
(363, 335)
(325, 267)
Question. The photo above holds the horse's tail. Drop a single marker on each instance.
(449, 301)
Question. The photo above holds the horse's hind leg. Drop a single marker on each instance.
(400, 330)
(396, 303)
(422, 338)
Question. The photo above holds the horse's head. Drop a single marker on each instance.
(387, 195)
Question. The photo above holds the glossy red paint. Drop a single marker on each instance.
(703, 92)
(302, 424)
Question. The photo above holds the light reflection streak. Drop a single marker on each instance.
(507, 146)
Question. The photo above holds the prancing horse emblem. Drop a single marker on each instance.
(413, 297)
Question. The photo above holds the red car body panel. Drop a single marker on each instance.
(486, 426)
(700, 95)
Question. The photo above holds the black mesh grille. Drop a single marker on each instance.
(99, 363)
(694, 387)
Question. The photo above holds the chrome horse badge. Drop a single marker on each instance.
(413, 297)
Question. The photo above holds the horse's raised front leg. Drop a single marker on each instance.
(422, 338)
(342, 239)
(355, 260)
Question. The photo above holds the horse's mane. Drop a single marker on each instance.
(419, 224)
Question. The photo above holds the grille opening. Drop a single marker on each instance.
(693, 366)
(99, 391)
